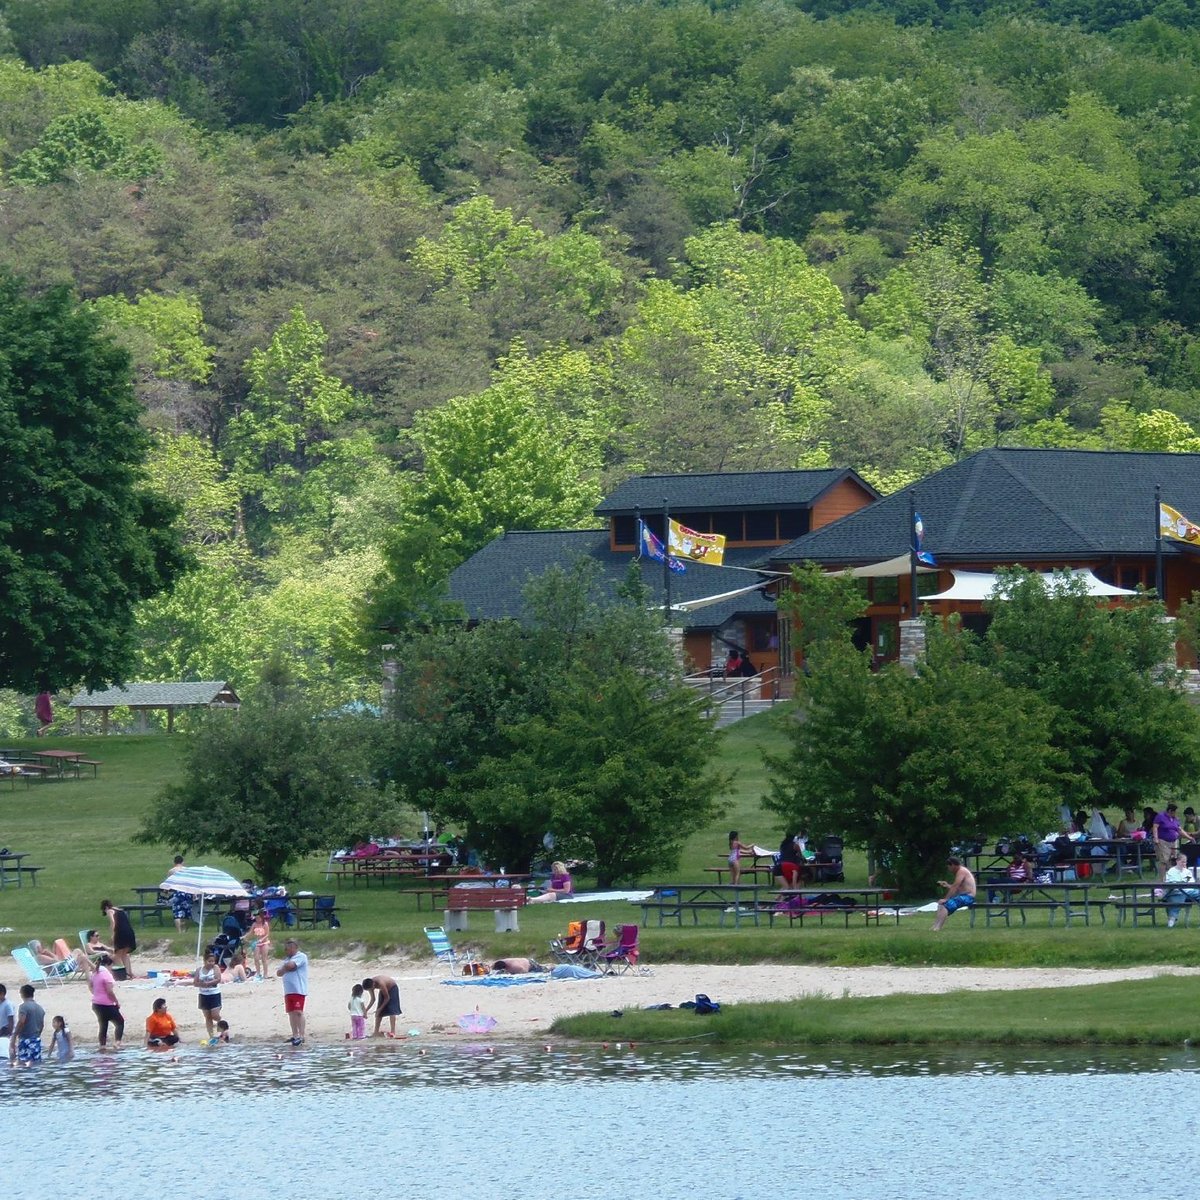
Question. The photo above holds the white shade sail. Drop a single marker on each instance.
(888, 569)
(979, 585)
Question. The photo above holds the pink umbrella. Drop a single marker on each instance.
(476, 1022)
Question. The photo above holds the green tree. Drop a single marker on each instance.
(904, 766)
(578, 723)
(270, 784)
(1119, 718)
(85, 538)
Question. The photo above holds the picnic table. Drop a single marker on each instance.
(1147, 898)
(870, 903)
(60, 760)
(726, 899)
(999, 899)
(148, 908)
(754, 870)
(13, 870)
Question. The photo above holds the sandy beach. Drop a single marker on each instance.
(255, 1010)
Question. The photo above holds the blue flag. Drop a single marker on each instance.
(922, 555)
(650, 547)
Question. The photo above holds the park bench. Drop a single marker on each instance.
(503, 901)
(1151, 908)
(146, 911)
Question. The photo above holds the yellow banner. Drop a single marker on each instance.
(1173, 524)
(702, 547)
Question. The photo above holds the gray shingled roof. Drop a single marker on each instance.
(1012, 505)
(152, 695)
(722, 491)
(490, 583)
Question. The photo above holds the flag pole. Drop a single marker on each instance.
(667, 558)
(912, 552)
(1159, 583)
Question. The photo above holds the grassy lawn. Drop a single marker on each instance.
(1141, 1012)
(81, 830)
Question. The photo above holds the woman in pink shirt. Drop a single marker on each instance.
(104, 998)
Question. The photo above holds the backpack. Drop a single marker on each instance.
(705, 1005)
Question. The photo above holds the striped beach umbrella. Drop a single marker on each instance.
(202, 881)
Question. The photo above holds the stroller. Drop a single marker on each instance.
(227, 943)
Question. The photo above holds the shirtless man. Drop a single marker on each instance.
(960, 892)
(385, 1000)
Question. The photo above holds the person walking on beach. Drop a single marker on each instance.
(208, 979)
(124, 940)
(384, 999)
(294, 973)
(27, 1037)
(960, 892)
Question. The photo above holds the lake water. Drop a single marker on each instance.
(655, 1124)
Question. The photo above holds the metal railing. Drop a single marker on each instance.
(765, 685)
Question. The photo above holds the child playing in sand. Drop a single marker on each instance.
(61, 1049)
(223, 1033)
(358, 1013)
(260, 931)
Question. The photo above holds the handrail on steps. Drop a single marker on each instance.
(743, 684)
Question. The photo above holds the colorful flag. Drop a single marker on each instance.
(650, 547)
(1173, 524)
(701, 547)
(922, 555)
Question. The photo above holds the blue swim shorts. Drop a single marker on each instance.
(957, 902)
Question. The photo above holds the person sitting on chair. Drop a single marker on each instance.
(561, 885)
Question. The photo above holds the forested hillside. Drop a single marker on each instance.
(395, 276)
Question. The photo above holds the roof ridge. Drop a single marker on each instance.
(964, 500)
(1037, 493)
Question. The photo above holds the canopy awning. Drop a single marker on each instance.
(705, 601)
(889, 569)
(979, 585)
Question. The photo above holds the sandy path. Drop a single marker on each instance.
(255, 1010)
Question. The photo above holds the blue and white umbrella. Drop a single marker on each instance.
(202, 881)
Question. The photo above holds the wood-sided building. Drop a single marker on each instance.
(1040, 509)
(756, 511)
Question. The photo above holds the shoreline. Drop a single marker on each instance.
(524, 1012)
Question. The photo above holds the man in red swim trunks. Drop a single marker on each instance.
(294, 973)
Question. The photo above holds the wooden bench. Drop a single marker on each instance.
(503, 901)
(13, 871)
(1151, 909)
(668, 906)
(871, 913)
(94, 763)
(146, 911)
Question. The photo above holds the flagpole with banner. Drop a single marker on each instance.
(667, 559)
(912, 552)
(1158, 553)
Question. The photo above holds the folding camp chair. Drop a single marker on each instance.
(582, 945)
(568, 947)
(34, 971)
(623, 957)
(444, 952)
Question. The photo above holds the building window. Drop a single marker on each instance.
(1132, 578)
(700, 521)
(928, 585)
(760, 527)
(793, 523)
(885, 591)
(624, 531)
(729, 524)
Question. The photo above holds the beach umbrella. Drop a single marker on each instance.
(202, 881)
(476, 1022)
